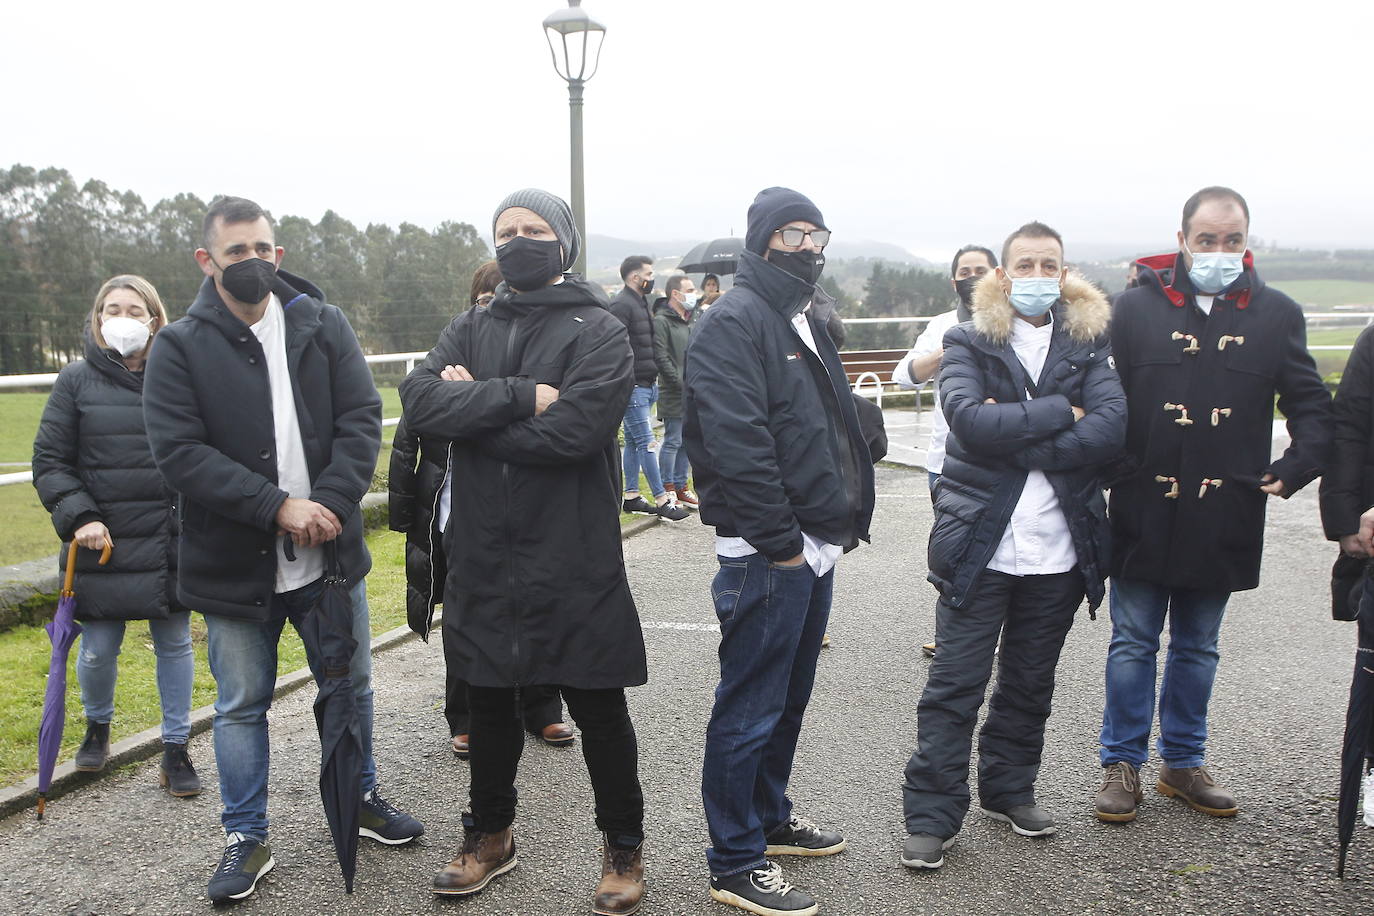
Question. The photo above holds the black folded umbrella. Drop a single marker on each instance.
(327, 631)
(1359, 726)
(718, 256)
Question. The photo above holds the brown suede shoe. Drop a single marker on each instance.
(559, 734)
(622, 880)
(483, 857)
(1120, 793)
(1196, 787)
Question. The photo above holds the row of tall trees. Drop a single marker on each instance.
(59, 241)
(892, 290)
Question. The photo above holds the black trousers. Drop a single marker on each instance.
(540, 706)
(1032, 615)
(608, 745)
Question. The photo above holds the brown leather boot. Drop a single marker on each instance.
(1120, 793)
(483, 857)
(622, 880)
(1196, 787)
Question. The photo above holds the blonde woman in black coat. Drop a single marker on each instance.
(94, 472)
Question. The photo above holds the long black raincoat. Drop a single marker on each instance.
(536, 590)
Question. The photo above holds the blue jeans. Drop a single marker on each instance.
(672, 457)
(243, 659)
(639, 435)
(771, 624)
(97, 666)
(1138, 611)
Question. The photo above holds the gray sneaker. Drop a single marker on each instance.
(922, 850)
(1027, 820)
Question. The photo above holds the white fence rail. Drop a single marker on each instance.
(868, 385)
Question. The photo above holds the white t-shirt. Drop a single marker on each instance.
(820, 555)
(930, 340)
(293, 475)
(1204, 302)
(1037, 540)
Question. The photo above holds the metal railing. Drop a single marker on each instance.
(868, 384)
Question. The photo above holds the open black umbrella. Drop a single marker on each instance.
(718, 256)
(326, 629)
(1359, 727)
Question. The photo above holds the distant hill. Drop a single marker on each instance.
(605, 252)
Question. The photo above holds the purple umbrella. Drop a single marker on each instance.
(63, 631)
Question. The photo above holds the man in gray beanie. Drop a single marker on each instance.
(530, 391)
(786, 479)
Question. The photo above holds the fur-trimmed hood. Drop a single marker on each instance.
(1084, 310)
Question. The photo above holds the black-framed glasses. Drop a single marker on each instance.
(792, 237)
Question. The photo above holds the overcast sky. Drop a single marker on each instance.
(923, 124)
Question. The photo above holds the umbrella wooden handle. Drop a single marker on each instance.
(71, 563)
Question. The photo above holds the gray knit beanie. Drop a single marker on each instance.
(554, 211)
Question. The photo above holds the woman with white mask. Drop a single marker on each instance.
(94, 472)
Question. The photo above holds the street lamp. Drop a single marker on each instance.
(577, 38)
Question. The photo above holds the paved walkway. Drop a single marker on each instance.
(122, 846)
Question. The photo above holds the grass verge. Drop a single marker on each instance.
(25, 650)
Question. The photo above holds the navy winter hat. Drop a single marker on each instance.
(554, 210)
(772, 209)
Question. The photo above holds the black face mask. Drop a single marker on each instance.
(804, 265)
(965, 289)
(250, 280)
(647, 286)
(528, 264)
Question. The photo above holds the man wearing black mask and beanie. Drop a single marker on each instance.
(785, 477)
(922, 361)
(530, 391)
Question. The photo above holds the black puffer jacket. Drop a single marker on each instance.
(91, 462)
(208, 406)
(992, 447)
(771, 428)
(1347, 487)
(414, 481)
(633, 311)
(535, 591)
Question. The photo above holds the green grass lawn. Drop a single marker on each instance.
(1326, 294)
(29, 534)
(24, 653)
(19, 413)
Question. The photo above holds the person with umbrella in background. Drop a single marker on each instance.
(710, 291)
(1347, 509)
(530, 391)
(263, 415)
(416, 507)
(94, 471)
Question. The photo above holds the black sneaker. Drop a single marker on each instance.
(1027, 820)
(638, 506)
(924, 850)
(763, 891)
(245, 860)
(95, 747)
(672, 512)
(802, 837)
(382, 821)
(177, 775)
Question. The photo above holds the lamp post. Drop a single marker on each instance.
(575, 44)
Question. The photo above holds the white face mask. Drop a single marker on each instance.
(126, 335)
(690, 300)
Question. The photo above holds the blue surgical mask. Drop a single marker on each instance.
(1034, 296)
(1214, 271)
(690, 301)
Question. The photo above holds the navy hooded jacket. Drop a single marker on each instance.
(771, 428)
